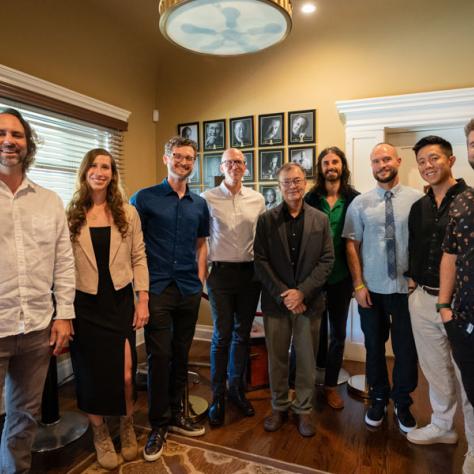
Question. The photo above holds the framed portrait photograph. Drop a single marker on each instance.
(270, 129)
(211, 163)
(249, 159)
(301, 126)
(195, 176)
(269, 162)
(272, 195)
(241, 132)
(304, 156)
(214, 135)
(191, 131)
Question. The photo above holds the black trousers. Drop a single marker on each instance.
(462, 345)
(338, 298)
(389, 314)
(168, 337)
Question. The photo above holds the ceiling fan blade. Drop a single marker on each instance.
(231, 15)
(193, 29)
(270, 28)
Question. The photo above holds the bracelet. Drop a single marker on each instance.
(440, 306)
(359, 287)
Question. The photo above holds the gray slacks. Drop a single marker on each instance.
(24, 361)
(280, 332)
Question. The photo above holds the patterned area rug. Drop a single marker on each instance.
(190, 456)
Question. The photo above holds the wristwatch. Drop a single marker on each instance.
(440, 306)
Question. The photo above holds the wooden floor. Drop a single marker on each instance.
(342, 444)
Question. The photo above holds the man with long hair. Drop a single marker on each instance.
(332, 195)
(175, 225)
(36, 256)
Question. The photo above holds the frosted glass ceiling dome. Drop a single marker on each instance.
(225, 27)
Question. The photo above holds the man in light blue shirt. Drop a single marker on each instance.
(376, 229)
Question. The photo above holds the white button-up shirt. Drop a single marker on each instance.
(36, 259)
(233, 223)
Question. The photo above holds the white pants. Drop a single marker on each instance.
(434, 355)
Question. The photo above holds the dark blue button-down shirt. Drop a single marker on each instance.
(171, 227)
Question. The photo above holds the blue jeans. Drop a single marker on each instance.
(233, 294)
(24, 361)
(389, 313)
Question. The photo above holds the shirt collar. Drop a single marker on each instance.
(395, 190)
(169, 190)
(452, 191)
(225, 190)
(286, 211)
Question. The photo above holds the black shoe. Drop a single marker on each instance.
(376, 413)
(241, 402)
(184, 426)
(154, 444)
(217, 411)
(405, 419)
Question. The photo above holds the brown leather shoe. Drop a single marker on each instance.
(305, 424)
(275, 421)
(333, 398)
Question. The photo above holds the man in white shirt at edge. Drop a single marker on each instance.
(232, 287)
(36, 256)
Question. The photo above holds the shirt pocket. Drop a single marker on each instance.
(43, 228)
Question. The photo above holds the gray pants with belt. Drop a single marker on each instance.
(24, 361)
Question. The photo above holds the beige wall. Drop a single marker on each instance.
(79, 45)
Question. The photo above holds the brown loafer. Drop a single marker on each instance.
(275, 421)
(333, 398)
(305, 425)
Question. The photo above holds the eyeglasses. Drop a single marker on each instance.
(231, 163)
(179, 157)
(288, 182)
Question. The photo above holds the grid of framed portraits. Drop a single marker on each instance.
(267, 141)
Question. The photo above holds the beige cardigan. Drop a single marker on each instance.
(127, 260)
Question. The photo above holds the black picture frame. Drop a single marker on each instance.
(214, 133)
(249, 174)
(190, 130)
(301, 127)
(267, 190)
(268, 165)
(304, 156)
(211, 163)
(241, 132)
(195, 176)
(268, 134)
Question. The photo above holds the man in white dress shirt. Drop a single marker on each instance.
(233, 290)
(35, 256)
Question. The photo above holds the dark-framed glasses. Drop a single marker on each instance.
(180, 157)
(231, 163)
(286, 183)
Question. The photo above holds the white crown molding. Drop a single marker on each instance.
(40, 86)
(454, 106)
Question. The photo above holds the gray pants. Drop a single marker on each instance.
(24, 361)
(434, 354)
(280, 331)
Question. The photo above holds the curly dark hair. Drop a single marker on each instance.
(30, 135)
(320, 184)
(81, 201)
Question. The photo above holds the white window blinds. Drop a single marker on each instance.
(63, 142)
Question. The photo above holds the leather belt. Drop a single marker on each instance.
(232, 264)
(430, 290)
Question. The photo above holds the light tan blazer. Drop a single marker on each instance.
(127, 259)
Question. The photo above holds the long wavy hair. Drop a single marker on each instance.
(320, 184)
(81, 201)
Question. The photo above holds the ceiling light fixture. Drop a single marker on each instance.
(308, 8)
(225, 27)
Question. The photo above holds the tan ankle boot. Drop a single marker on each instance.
(106, 455)
(128, 439)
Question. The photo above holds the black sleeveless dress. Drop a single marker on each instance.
(103, 323)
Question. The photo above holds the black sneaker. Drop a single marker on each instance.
(376, 413)
(405, 419)
(184, 426)
(154, 444)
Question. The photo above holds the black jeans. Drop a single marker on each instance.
(233, 293)
(168, 338)
(389, 313)
(462, 345)
(338, 298)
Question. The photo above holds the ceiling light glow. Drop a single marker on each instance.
(308, 8)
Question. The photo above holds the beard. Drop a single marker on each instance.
(471, 162)
(332, 175)
(390, 177)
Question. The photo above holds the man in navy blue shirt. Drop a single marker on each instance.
(175, 225)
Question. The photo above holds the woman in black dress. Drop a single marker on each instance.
(110, 265)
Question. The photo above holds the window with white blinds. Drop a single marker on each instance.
(63, 142)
